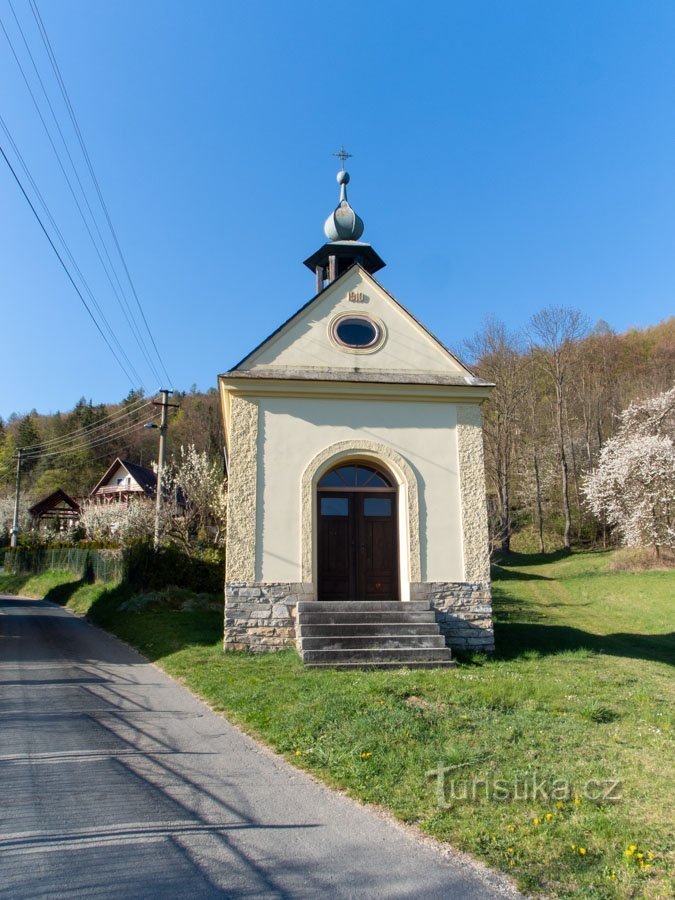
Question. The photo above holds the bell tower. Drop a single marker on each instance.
(343, 228)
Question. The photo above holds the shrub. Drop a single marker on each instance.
(148, 569)
(640, 559)
(171, 598)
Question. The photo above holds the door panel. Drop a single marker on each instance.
(357, 546)
(377, 570)
(335, 551)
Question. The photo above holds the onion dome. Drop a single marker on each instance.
(343, 224)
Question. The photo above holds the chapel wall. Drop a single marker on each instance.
(293, 432)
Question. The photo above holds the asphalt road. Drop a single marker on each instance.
(116, 782)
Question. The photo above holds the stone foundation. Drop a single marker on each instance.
(463, 612)
(261, 617)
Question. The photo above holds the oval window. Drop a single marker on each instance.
(357, 332)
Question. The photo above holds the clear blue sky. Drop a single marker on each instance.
(507, 155)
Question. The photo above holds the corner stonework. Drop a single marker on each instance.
(463, 612)
(261, 617)
(476, 539)
(241, 492)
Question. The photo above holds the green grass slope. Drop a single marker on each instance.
(558, 752)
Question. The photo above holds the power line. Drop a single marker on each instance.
(139, 380)
(99, 442)
(65, 268)
(99, 458)
(67, 250)
(121, 301)
(66, 97)
(86, 430)
(89, 445)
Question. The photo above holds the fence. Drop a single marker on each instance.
(99, 565)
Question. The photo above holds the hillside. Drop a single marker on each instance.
(605, 372)
(197, 421)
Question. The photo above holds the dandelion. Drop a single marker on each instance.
(633, 848)
(560, 804)
(510, 827)
(577, 800)
(582, 851)
(549, 816)
(629, 852)
(573, 846)
(613, 875)
(640, 855)
(536, 821)
(650, 855)
(298, 752)
(366, 755)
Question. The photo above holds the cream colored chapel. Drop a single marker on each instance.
(357, 521)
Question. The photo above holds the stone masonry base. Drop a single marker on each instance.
(463, 612)
(261, 616)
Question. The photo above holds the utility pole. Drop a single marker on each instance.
(163, 425)
(15, 524)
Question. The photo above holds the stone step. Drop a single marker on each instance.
(370, 634)
(367, 657)
(373, 642)
(360, 605)
(364, 629)
(365, 618)
(348, 666)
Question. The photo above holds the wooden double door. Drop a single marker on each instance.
(357, 545)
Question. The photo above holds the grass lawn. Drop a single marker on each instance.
(579, 696)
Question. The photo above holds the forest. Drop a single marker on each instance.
(560, 389)
(101, 433)
(560, 386)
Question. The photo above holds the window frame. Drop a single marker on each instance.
(389, 488)
(376, 324)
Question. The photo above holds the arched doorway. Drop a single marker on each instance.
(357, 534)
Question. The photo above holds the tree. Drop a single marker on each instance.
(28, 436)
(195, 504)
(121, 522)
(7, 515)
(498, 358)
(535, 461)
(554, 332)
(633, 486)
(7, 460)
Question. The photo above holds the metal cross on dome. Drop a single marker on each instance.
(342, 155)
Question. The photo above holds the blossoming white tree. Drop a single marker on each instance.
(196, 498)
(7, 513)
(123, 522)
(633, 486)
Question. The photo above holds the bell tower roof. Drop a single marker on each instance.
(343, 228)
(343, 224)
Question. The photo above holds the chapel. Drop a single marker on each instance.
(357, 526)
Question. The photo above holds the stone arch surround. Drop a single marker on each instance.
(406, 481)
